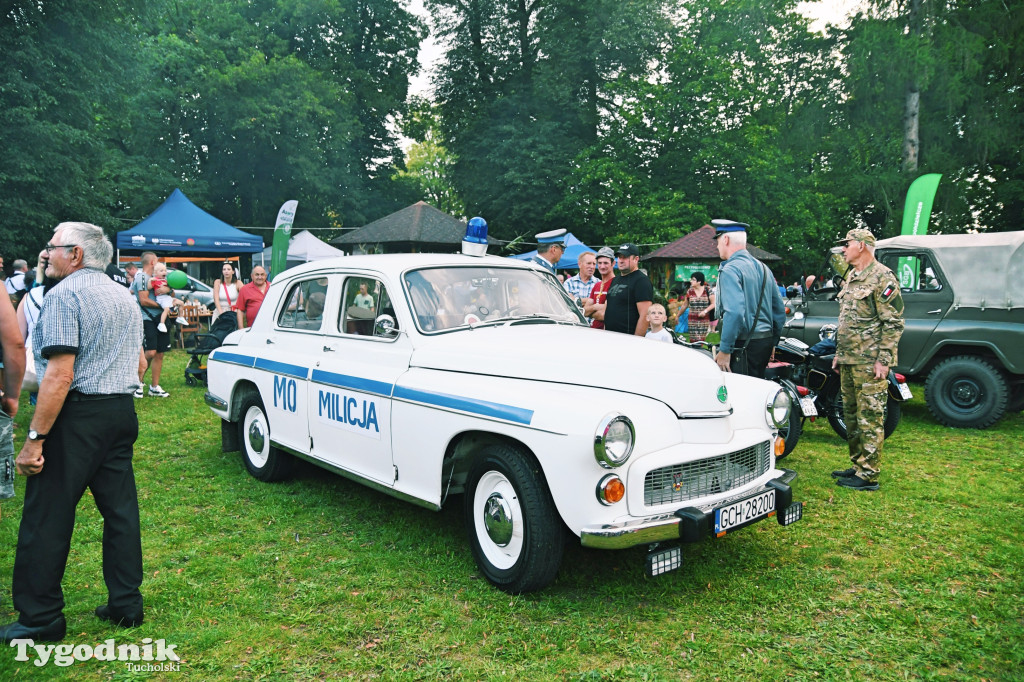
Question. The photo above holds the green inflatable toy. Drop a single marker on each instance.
(176, 279)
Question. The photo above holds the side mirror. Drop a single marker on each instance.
(384, 326)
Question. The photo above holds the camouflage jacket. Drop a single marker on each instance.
(870, 317)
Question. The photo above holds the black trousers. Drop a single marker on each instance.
(752, 359)
(89, 446)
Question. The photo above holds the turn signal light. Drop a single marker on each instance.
(780, 446)
(611, 489)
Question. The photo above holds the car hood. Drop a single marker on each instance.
(686, 380)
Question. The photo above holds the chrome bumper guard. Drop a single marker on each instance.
(215, 402)
(689, 524)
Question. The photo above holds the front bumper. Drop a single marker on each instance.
(688, 524)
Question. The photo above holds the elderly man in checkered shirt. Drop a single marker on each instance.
(87, 343)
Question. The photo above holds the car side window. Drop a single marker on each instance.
(363, 301)
(304, 305)
(916, 272)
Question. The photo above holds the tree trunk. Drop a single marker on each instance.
(912, 100)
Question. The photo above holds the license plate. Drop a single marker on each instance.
(905, 391)
(743, 512)
(807, 407)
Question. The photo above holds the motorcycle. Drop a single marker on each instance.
(807, 374)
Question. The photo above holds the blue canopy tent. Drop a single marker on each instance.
(570, 259)
(179, 225)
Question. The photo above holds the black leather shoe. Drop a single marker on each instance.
(845, 473)
(53, 632)
(103, 612)
(857, 483)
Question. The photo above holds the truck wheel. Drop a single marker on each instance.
(263, 461)
(514, 531)
(966, 392)
(893, 413)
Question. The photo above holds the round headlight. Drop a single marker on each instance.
(779, 408)
(613, 442)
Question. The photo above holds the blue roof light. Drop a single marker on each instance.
(475, 241)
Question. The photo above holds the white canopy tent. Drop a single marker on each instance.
(304, 247)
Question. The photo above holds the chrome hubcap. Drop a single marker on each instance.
(257, 437)
(498, 520)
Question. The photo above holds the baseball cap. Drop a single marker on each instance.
(629, 249)
(606, 252)
(858, 234)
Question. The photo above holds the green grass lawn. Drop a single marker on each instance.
(320, 578)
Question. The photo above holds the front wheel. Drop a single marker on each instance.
(836, 418)
(514, 530)
(966, 392)
(262, 460)
(790, 433)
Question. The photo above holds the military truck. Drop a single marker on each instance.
(964, 336)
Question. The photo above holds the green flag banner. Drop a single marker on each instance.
(917, 210)
(282, 233)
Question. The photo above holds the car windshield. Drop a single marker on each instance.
(449, 298)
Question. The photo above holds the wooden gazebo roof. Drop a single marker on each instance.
(700, 245)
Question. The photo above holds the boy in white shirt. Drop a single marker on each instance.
(656, 317)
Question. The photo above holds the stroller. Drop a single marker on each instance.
(195, 370)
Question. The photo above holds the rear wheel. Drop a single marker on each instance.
(514, 531)
(263, 461)
(836, 418)
(966, 392)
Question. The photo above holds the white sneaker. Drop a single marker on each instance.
(157, 392)
(138, 392)
(161, 327)
(181, 320)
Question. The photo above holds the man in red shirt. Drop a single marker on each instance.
(250, 298)
(593, 305)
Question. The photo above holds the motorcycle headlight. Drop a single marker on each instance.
(779, 408)
(613, 441)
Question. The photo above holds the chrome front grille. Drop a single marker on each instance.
(710, 476)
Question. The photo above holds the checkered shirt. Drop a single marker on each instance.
(577, 288)
(92, 317)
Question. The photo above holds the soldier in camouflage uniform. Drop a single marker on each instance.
(870, 326)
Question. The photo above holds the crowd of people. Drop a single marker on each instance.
(90, 332)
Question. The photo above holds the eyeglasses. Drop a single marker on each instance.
(50, 247)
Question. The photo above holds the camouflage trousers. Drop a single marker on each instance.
(6, 456)
(864, 399)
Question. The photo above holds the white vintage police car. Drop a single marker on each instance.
(425, 376)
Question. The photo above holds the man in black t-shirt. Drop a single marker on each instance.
(630, 295)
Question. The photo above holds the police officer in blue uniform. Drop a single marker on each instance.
(550, 247)
(748, 302)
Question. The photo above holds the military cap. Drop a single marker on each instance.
(723, 226)
(858, 235)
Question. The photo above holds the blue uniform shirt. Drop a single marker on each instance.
(740, 282)
(541, 260)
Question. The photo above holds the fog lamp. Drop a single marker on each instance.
(791, 514)
(664, 560)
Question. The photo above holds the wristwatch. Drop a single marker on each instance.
(35, 435)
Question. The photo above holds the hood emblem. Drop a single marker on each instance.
(723, 394)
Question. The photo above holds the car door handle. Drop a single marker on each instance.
(328, 349)
(937, 311)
